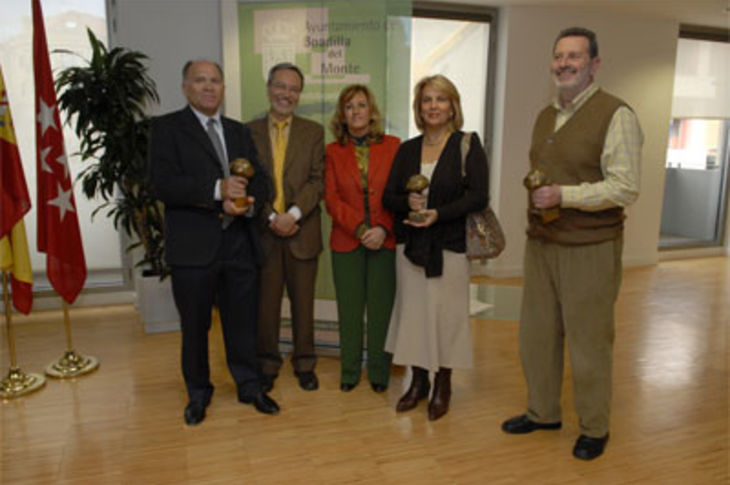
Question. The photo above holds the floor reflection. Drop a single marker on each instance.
(497, 302)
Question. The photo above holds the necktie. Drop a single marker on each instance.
(279, 155)
(218, 146)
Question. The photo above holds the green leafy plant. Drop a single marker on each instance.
(104, 100)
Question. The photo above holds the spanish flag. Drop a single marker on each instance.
(14, 204)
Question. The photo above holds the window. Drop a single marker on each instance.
(695, 190)
(455, 43)
(65, 23)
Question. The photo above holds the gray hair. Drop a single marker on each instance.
(580, 32)
(187, 65)
(285, 65)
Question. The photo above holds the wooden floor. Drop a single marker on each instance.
(123, 424)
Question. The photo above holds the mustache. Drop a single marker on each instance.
(561, 70)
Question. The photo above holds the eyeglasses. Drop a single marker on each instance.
(280, 86)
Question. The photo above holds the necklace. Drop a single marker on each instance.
(441, 137)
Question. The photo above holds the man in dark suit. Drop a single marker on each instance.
(211, 244)
(292, 153)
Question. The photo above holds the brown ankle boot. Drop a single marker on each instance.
(418, 390)
(439, 404)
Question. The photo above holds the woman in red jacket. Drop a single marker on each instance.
(357, 165)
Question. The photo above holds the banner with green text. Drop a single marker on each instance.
(335, 43)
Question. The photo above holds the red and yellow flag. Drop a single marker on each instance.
(14, 204)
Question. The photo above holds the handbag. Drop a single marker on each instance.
(484, 235)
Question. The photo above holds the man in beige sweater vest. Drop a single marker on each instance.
(585, 168)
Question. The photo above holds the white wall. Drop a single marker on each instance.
(727, 228)
(638, 65)
(638, 58)
(170, 33)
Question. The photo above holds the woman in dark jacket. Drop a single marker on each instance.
(429, 329)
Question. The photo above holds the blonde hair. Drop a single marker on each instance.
(338, 124)
(441, 84)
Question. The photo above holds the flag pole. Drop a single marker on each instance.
(58, 228)
(17, 382)
(71, 364)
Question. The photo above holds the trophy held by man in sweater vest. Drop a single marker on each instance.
(533, 181)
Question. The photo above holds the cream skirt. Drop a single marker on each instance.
(429, 326)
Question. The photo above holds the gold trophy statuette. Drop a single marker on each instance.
(361, 230)
(534, 180)
(417, 183)
(243, 168)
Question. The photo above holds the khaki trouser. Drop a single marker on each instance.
(569, 296)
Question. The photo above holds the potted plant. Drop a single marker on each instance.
(105, 99)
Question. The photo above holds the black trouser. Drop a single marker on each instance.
(231, 281)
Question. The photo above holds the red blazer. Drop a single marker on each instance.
(343, 193)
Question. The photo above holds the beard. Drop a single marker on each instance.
(580, 78)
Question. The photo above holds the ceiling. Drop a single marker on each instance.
(709, 13)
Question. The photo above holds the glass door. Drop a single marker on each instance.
(695, 183)
(695, 190)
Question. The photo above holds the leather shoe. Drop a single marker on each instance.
(262, 402)
(439, 404)
(522, 424)
(195, 410)
(267, 382)
(379, 387)
(308, 380)
(587, 448)
(417, 391)
(345, 387)
(194, 413)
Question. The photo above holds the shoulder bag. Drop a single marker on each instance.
(484, 235)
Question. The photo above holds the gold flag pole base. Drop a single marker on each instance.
(18, 383)
(72, 365)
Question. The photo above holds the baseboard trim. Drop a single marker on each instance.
(674, 254)
(91, 299)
